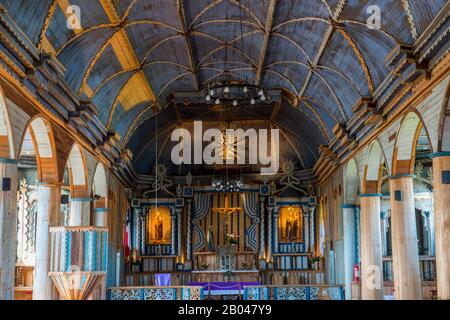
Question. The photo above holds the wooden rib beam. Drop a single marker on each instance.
(326, 39)
(265, 44)
(189, 49)
(360, 57)
(126, 56)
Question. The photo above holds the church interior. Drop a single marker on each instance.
(224, 150)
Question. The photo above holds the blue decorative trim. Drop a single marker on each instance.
(102, 210)
(9, 161)
(436, 155)
(367, 195)
(81, 199)
(348, 206)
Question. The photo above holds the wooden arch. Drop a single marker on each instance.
(373, 168)
(406, 143)
(444, 123)
(78, 177)
(6, 140)
(351, 182)
(42, 137)
(99, 181)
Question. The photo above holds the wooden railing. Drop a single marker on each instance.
(427, 268)
(156, 293)
(291, 292)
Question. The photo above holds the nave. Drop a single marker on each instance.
(224, 150)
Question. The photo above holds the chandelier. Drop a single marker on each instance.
(225, 185)
(234, 94)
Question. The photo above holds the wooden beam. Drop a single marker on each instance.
(126, 56)
(186, 34)
(326, 39)
(265, 44)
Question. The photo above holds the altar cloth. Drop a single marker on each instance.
(223, 288)
(163, 279)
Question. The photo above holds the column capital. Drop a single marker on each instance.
(348, 206)
(401, 176)
(441, 154)
(370, 195)
(81, 199)
(50, 184)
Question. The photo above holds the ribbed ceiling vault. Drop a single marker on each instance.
(131, 56)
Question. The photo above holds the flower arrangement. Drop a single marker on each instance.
(204, 266)
(245, 265)
(314, 261)
(232, 239)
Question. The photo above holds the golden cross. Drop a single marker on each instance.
(226, 210)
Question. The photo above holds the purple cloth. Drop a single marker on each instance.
(223, 286)
(163, 279)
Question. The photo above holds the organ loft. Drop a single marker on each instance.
(224, 150)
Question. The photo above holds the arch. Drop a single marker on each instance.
(444, 123)
(351, 182)
(406, 143)
(76, 164)
(99, 182)
(373, 168)
(42, 146)
(100, 196)
(6, 139)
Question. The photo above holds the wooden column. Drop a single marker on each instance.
(100, 214)
(276, 214)
(189, 233)
(8, 227)
(269, 233)
(405, 252)
(371, 256)
(49, 207)
(262, 225)
(348, 213)
(179, 211)
(441, 191)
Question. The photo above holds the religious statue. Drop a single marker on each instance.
(158, 227)
(210, 239)
(292, 225)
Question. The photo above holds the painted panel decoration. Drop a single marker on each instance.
(156, 293)
(294, 293)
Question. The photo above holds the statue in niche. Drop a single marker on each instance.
(292, 225)
(158, 227)
(210, 239)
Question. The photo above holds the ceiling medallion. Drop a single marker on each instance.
(234, 94)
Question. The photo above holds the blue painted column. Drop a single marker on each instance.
(276, 214)
(349, 224)
(262, 244)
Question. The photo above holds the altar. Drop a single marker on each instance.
(224, 241)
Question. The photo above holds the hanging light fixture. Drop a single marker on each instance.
(232, 92)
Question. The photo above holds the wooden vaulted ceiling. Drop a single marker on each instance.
(130, 56)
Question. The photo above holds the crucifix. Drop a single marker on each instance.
(227, 211)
